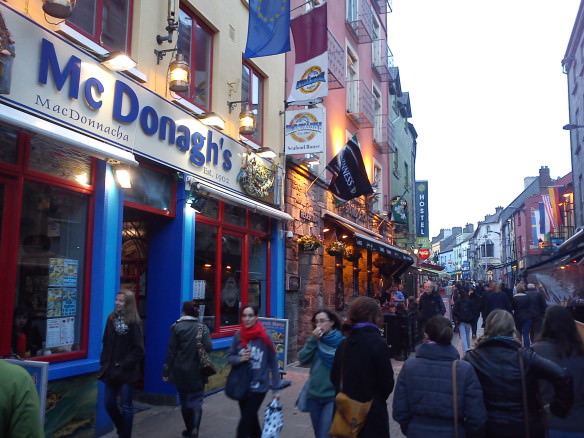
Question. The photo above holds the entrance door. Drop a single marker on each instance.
(9, 208)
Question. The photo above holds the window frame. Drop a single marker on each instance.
(193, 53)
(98, 23)
(20, 173)
(246, 232)
(254, 71)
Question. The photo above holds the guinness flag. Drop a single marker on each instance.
(349, 176)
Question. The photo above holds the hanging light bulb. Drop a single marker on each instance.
(179, 74)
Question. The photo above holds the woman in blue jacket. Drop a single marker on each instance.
(252, 344)
(423, 402)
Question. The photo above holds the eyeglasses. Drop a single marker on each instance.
(318, 321)
(247, 315)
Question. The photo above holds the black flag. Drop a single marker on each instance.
(349, 176)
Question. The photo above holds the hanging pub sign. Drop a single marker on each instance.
(304, 132)
(421, 202)
(424, 254)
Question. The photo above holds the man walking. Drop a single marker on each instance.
(430, 303)
(537, 306)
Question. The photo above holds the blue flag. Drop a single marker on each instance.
(268, 30)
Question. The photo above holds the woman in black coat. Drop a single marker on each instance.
(362, 366)
(496, 362)
(182, 368)
(123, 349)
(423, 401)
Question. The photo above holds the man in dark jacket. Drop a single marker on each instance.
(430, 303)
(522, 313)
(537, 306)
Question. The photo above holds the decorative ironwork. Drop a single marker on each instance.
(382, 133)
(336, 63)
(361, 24)
(382, 60)
(360, 104)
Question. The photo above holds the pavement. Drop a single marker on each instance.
(221, 414)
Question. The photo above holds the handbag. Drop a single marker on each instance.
(302, 400)
(350, 414)
(455, 398)
(206, 367)
(273, 420)
(238, 381)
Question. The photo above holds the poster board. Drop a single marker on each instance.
(39, 371)
(277, 330)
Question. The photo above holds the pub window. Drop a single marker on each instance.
(105, 21)
(195, 42)
(231, 265)
(48, 289)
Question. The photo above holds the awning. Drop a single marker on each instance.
(235, 198)
(69, 137)
(369, 240)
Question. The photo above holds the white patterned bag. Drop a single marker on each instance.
(273, 419)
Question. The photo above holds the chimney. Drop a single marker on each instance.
(469, 228)
(498, 209)
(544, 177)
(456, 231)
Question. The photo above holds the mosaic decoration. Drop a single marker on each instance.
(256, 179)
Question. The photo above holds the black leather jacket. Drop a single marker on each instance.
(496, 362)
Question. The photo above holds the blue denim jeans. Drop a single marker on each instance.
(525, 329)
(321, 415)
(465, 331)
(122, 418)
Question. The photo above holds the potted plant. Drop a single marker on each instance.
(336, 248)
(352, 254)
(309, 243)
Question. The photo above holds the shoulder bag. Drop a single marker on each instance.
(206, 367)
(238, 381)
(350, 415)
(455, 398)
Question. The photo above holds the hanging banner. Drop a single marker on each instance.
(310, 79)
(422, 228)
(305, 131)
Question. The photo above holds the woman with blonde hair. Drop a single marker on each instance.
(509, 375)
(123, 349)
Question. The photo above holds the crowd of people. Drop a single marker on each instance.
(524, 377)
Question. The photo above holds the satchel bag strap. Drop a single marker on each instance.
(524, 393)
(343, 364)
(455, 398)
(199, 335)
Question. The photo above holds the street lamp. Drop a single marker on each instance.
(571, 126)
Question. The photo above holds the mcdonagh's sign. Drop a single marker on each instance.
(58, 81)
(305, 131)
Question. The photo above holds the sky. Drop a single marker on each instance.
(488, 98)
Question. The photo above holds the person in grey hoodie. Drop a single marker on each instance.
(423, 401)
(252, 344)
(560, 342)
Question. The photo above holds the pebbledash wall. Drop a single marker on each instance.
(64, 119)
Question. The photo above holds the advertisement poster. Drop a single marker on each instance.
(277, 330)
(60, 332)
(199, 289)
(304, 132)
(63, 272)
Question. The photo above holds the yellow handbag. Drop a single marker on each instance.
(350, 415)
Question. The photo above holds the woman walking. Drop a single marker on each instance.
(509, 375)
(251, 343)
(123, 349)
(423, 402)
(362, 366)
(560, 342)
(319, 352)
(182, 368)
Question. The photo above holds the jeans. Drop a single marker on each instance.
(191, 403)
(122, 418)
(465, 331)
(321, 415)
(525, 330)
(249, 426)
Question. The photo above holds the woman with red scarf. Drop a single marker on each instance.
(251, 343)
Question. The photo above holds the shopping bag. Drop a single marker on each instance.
(238, 381)
(273, 419)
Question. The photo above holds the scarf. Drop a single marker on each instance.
(327, 347)
(364, 324)
(120, 326)
(256, 331)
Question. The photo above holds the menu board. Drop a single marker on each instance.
(277, 330)
(61, 302)
(199, 289)
(60, 332)
(63, 272)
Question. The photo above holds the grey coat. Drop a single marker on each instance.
(423, 402)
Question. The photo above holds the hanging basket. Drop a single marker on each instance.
(336, 248)
(352, 254)
(309, 243)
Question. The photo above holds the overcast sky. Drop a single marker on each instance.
(488, 97)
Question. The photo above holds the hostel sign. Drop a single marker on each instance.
(421, 201)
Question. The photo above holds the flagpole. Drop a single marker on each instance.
(315, 179)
